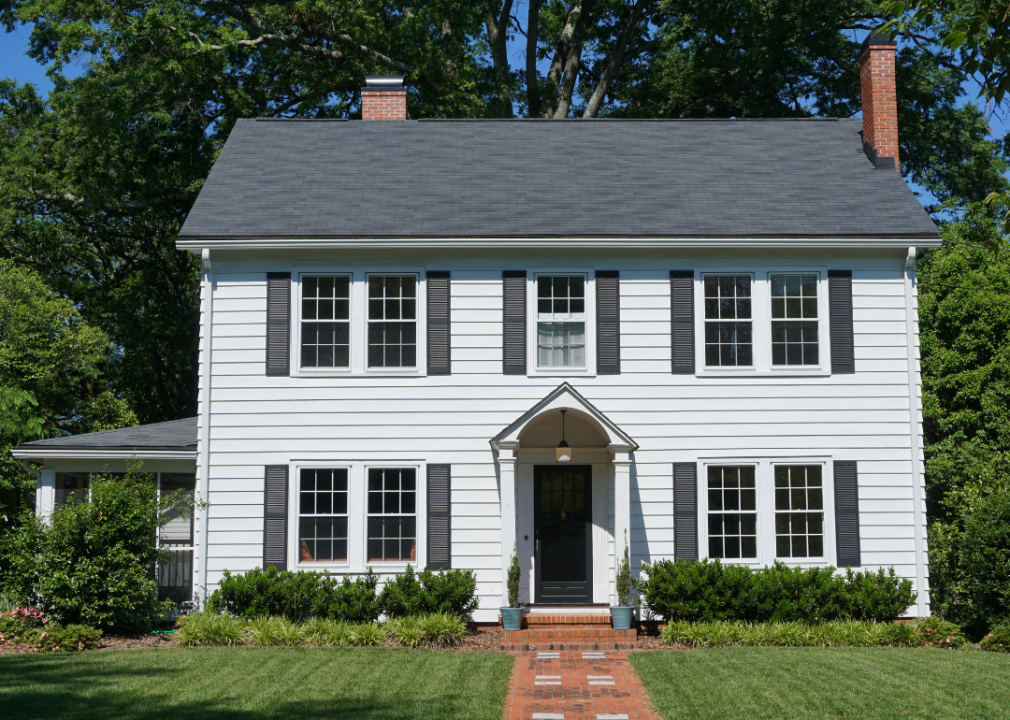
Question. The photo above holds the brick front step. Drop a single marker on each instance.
(586, 619)
(559, 645)
(562, 634)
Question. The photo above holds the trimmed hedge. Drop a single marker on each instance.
(709, 591)
(297, 595)
(301, 595)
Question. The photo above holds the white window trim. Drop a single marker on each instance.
(761, 318)
(357, 516)
(764, 477)
(359, 322)
(532, 351)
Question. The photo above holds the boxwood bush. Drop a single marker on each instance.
(707, 591)
(297, 596)
(452, 592)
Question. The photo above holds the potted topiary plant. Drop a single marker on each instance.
(620, 614)
(512, 615)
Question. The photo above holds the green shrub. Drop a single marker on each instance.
(69, 638)
(937, 633)
(709, 591)
(211, 628)
(411, 595)
(93, 563)
(297, 595)
(623, 582)
(997, 640)
(842, 633)
(512, 580)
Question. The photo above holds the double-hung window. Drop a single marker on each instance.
(392, 514)
(729, 334)
(732, 512)
(322, 515)
(326, 326)
(794, 320)
(799, 511)
(561, 321)
(392, 321)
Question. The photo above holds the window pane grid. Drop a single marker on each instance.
(794, 320)
(561, 299)
(728, 327)
(732, 516)
(392, 321)
(799, 511)
(322, 522)
(392, 514)
(326, 311)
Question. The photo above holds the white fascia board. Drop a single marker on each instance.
(77, 454)
(200, 245)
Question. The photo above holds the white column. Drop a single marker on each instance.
(507, 477)
(622, 505)
(45, 497)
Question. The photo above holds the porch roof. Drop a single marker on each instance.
(172, 439)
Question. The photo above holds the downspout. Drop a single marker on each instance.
(208, 297)
(913, 425)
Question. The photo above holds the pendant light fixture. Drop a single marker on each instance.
(564, 453)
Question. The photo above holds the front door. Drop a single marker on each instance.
(562, 516)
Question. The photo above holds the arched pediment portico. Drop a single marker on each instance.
(526, 448)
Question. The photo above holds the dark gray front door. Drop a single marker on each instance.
(562, 517)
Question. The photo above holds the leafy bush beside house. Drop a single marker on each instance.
(453, 592)
(93, 563)
(709, 591)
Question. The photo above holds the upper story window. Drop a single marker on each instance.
(326, 327)
(729, 336)
(561, 321)
(392, 321)
(322, 515)
(794, 320)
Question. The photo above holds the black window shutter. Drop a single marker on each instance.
(847, 513)
(439, 351)
(682, 320)
(439, 517)
(514, 340)
(840, 299)
(278, 323)
(685, 511)
(608, 322)
(275, 517)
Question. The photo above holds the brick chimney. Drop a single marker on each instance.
(879, 98)
(383, 98)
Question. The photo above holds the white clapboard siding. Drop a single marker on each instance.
(257, 420)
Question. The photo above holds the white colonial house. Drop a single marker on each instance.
(429, 342)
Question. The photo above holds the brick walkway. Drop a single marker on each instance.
(576, 686)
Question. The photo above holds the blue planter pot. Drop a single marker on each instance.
(621, 616)
(512, 618)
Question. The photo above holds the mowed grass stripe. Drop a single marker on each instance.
(802, 683)
(254, 683)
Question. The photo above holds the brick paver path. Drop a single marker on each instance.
(576, 686)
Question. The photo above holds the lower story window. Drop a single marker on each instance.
(732, 512)
(392, 514)
(71, 485)
(322, 510)
(799, 511)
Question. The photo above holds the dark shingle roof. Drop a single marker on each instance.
(606, 178)
(172, 435)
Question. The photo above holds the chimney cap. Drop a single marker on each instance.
(878, 36)
(383, 82)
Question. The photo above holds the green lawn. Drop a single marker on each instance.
(864, 683)
(253, 683)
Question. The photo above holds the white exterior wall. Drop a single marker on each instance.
(257, 420)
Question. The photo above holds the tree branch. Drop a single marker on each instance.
(616, 61)
(532, 39)
(568, 57)
(123, 205)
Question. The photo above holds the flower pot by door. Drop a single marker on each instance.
(511, 618)
(621, 616)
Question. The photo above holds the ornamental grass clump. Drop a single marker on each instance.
(211, 628)
(274, 631)
(842, 633)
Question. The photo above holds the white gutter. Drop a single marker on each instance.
(204, 446)
(914, 408)
(199, 245)
(28, 454)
